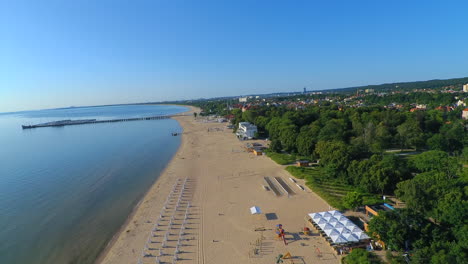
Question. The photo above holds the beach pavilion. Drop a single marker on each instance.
(340, 232)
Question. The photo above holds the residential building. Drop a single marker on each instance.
(246, 130)
(243, 100)
(465, 88)
(465, 114)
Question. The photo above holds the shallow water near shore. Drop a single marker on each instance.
(65, 191)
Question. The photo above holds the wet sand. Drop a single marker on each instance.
(224, 181)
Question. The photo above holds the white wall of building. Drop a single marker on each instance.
(246, 130)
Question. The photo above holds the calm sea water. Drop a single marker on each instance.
(65, 191)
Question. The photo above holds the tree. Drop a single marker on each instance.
(414, 193)
(333, 154)
(361, 256)
(410, 134)
(401, 228)
(333, 130)
(275, 145)
(386, 172)
(195, 114)
(352, 200)
(250, 115)
(288, 135)
(438, 161)
(307, 139)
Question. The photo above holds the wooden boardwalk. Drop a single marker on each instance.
(84, 122)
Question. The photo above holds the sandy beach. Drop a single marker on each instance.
(223, 182)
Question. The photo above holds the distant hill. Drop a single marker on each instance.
(455, 83)
(430, 84)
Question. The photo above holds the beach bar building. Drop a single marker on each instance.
(258, 151)
(246, 130)
(340, 232)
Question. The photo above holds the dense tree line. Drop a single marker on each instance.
(353, 145)
(405, 86)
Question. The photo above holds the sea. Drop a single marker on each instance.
(66, 191)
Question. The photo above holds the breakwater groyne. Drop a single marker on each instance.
(61, 123)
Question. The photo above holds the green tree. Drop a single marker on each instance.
(410, 134)
(360, 256)
(333, 130)
(306, 140)
(438, 161)
(386, 172)
(334, 155)
(250, 115)
(352, 200)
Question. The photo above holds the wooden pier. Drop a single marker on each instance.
(93, 121)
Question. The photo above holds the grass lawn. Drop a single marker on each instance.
(330, 190)
(284, 158)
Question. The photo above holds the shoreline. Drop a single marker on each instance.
(105, 251)
(227, 181)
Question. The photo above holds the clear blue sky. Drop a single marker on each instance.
(63, 53)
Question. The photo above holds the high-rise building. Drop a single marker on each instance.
(305, 91)
(465, 88)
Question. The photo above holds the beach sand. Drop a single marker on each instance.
(226, 181)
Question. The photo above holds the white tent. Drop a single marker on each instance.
(342, 218)
(316, 216)
(340, 240)
(339, 224)
(338, 227)
(350, 224)
(351, 237)
(334, 232)
(363, 236)
(255, 210)
(335, 213)
(321, 222)
(327, 214)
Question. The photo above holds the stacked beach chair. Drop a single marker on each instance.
(165, 241)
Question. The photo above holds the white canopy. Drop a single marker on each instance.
(338, 227)
(316, 216)
(255, 210)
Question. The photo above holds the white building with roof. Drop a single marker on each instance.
(246, 130)
(243, 99)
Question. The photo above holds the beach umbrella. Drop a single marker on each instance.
(346, 232)
(350, 224)
(334, 232)
(322, 222)
(339, 224)
(342, 218)
(335, 213)
(328, 227)
(340, 240)
(327, 214)
(363, 236)
(255, 210)
(340, 229)
(315, 216)
(351, 237)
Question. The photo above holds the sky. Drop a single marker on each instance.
(59, 53)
